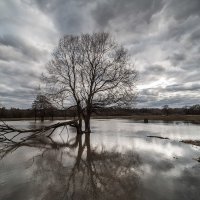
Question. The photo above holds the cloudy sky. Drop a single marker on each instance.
(163, 38)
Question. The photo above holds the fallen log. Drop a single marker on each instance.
(193, 142)
(5, 128)
(9, 134)
(159, 137)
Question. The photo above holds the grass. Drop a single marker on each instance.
(186, 118)
(170, 118)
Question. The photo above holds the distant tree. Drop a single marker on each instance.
(165, 109)
(41, 104)
(195, 109)
(186, 110)
(90, 70)
(2, 112)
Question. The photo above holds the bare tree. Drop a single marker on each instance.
(41, 104)
(166, 109)
(90, 70)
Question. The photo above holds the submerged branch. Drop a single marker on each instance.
(5, 128)
(11, 137)
(193, 142)
(159, 137)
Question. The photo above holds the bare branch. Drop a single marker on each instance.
(90, 68)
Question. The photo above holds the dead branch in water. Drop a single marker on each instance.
(10, 134)
(193, 142)
(5, 128)
(159, 137)
(12, 138)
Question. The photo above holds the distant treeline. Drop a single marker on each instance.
(112, 111)
(166, 110)
(32, 113)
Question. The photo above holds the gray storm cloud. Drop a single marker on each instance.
(163, 38)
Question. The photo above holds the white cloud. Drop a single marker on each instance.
(163, 38)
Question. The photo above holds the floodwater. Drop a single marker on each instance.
(116, 161)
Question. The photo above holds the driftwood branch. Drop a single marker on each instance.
(5, 128)
(12, 138)
(9, 134)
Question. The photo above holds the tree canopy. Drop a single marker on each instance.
(90, 70)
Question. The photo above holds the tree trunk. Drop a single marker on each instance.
(42, 114)
(87, 142)
(79, 110)
(52, 114)
(87, 124)
(35, 111)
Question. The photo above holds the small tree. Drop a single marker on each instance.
(186, 110)
(166, 109)
(41, 104)
(195, 109)
(2, 111)
(90, 70)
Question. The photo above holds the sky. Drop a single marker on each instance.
(162, 36)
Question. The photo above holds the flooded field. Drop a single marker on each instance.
(118, 160)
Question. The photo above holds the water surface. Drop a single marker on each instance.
(116, 161)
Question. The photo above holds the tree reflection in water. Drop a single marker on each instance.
(76, 170)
